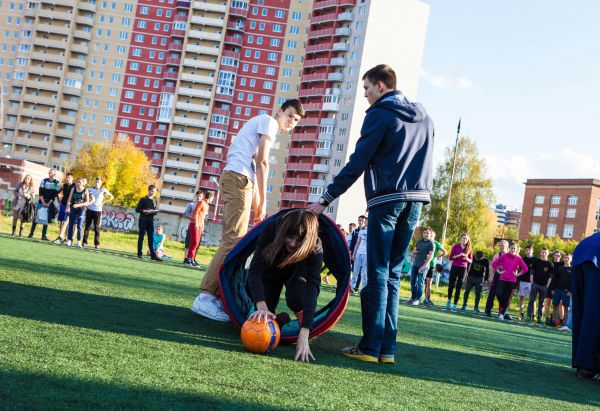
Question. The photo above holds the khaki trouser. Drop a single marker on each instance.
(236, 192)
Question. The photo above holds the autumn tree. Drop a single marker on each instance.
(125, 169)
(472, 196)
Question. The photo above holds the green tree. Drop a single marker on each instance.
(125, 169)
(472, 196)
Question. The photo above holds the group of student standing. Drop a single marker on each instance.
(540, 280)
(78, 206)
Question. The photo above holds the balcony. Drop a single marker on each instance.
(317, 34)
(57, 44)
(167, 89)
(323, 152)
(309, 122)
(294, 196)
(72, 91)
(335, 77)
(314, 78)
(325, 137)
(330, 4)
(84, 21)
(188, 91)
(40, 158)
(324, 18)
(67, 119)
(208, 21)
(320, 168)
(30, 98)
(177, 33)
(211, 185)
(338, 62)
(196, 78)
(203, 64)
(301, 152)
(182, 135)
(331, 107)
(211, 155)
(43, 114)
(185, 150)
(43, 85)
(234, 26)
(212, 170)
(317, 182)
(171, 208)
(233, 40)
(183, 195)
(86, 35)
(205, 35)
(233, 54)
(53, 57)
(186, 121)
(158, 147)
(175, 46)
(63, 148)
(77, 63)
(169, 178)
(172, 61)
(87, 6)
(223, 98)
(343, 32)
(211, 51)
(53, 28)
(318, 48)
(311, 92)
(341, 46)
(297, 182)
(322, 62)
(216, 141)
(170, 75)
(161, 132)
(73, 105)
(158, 162)
(183, 4)
(194, 108)
(345, 17)
(32, 142)
(183, 165)
(78, 48)
(63, 132)
(311, 107)
(234, 11)
(328, 122)
(304, 136)
(34, 127)
(300, 166)
(202, 5)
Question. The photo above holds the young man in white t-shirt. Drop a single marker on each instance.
(359, 256)
(243, 187)
(93, 214)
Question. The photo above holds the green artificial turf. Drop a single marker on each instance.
(80, 329)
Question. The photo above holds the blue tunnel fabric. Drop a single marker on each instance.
(233, 276)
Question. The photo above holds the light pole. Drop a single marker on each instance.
(450, 187)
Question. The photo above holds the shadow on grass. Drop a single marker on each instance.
(72, 271)
(113, 314)
(20, 390)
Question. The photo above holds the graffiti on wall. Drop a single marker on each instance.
(117, 220)
(6, 205)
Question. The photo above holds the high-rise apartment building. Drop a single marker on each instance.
(180, 78)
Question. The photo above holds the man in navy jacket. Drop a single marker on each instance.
(395, 152)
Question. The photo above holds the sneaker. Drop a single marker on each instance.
(58, 241)
(355, 353)
(522, 316)
(507, 317)
(476, 310)
(140, 256)
(430, 303)
(448, 305)
(565, 328)
(410, 301)
(195, 264)
(45, 238)
(425, 302)
(454, 309)
(588, 375)
(68, 243)
(97, 246)
(501, 316)
(156, 259)
(30, 236)
(188, 261)
(79, 244)
(85, 244)
(415, 302)
(386, 359)
(210, 307)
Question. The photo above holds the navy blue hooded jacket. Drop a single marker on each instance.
(395, 149)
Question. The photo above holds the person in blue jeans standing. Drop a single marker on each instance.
(423, 254)
(395, 151)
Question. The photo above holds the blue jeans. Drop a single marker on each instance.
(417, 283)
(391, 228)
(77, 216)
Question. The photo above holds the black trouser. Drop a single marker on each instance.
(96, 218)
(585, 282)
(456, 279)
(146, 226)
(504, 292)
(294, 290)
(489, 304)
(473, 282)
(44, 229)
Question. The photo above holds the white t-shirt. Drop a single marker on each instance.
(98, 194)
(244, 147)
(362, 247)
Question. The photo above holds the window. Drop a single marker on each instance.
(279, 14)
(294, 30)
(261, 26)
(572, 200)
(289, 58)
(144, 10)
(537, 211)
(287, 72)
(362, 10)
(129, 94)
(270, 71)
(292, 44)
(539, 199)
(567, 231)
(553, 212)
(142, 24)
(272, 57)
(124, 122)
(296, 15)
(265, 99)
(268, 85)
(277, 28)
(550, 230)
(555, 200)
(570, 213)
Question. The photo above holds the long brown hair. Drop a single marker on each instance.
(468, 246)
(296, 223)
(30, 185)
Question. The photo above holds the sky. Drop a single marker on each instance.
(524, 76)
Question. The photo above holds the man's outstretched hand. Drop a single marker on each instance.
(316, 208)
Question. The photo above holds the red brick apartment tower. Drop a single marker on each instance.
(567, 208)
(247, 78)
(151, 74)
(320, 92)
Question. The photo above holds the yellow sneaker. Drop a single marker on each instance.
(386, 359)
(355, 353)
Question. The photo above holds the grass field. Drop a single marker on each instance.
(80, 329)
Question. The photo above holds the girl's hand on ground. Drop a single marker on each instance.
(303, 352)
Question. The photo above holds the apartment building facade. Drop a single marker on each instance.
(180, 78)
(567, 208)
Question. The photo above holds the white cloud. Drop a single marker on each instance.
(446, 81)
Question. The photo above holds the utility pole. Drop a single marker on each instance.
(450, 187)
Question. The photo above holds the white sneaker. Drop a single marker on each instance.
(415, 302)
(68, 243)
(79, 244)
(565, 328)
(501, 316)
(211, 307)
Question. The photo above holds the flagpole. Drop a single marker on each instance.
(451, 182)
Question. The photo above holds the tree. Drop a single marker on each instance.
(125, 169)
(472, 195)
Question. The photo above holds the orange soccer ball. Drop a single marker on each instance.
(262, 337)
